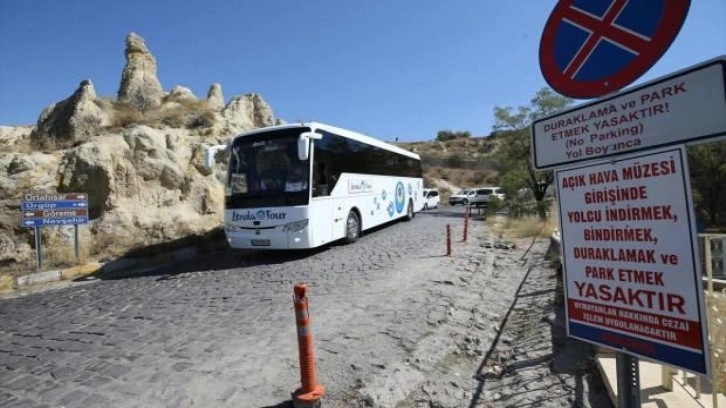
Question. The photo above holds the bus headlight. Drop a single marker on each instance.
(232, 228)
(295, 226)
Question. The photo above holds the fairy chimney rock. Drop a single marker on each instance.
(72, 120)
(215, 99)
(139, 84)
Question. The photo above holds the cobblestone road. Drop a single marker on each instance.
(219, 330)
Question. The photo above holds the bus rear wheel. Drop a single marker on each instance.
(352, 228)
(409, 212)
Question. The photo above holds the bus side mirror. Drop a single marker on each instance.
(303, 144)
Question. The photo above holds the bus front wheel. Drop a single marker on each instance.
(352, 228)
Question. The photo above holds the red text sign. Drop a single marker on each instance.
(629, 256)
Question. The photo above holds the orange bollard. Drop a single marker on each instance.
(466, 223)
(309, 395)
(448, 240)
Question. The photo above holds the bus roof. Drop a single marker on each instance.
(336, 130)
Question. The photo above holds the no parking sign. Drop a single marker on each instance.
(591, 48)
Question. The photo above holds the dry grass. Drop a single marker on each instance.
(465, 147)
(717, 330)
(106, 246)
(6, 283)
(462, 177)
(186, 114)
(524, 227)
(59, 252)
(15, 269)
(23, 147)
(48, 144)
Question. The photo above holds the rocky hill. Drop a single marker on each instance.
(139, 157)
(454, 164)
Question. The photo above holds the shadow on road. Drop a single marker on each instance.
(286, 404)
(571, 357)
(217, 260)
(577, 359)
(213, 254)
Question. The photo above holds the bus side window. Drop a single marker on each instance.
(319, 180)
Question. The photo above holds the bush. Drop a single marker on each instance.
(126, 115)
(455, 161)
(444, 135)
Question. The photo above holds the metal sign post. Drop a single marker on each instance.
(628, 380)
(38, 249)
(75, 242)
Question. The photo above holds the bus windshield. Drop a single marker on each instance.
(265, 171)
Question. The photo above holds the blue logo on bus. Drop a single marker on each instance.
(390, 209)
(383, 195)
(400, 197)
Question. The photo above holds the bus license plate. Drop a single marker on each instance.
(260, 242)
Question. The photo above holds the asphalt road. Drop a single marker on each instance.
(219, 330)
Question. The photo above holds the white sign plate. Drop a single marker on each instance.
(689, 105)
(629, 254)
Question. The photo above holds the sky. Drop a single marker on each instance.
(390, 69)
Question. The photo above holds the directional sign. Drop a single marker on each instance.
(590, 48)
(55, 213)
(686, 106)
(43, 210)
(57, 205)
(53, 222)
(55, 197)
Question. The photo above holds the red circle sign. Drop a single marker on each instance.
(591, 48)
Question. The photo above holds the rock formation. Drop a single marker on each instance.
(143, 170)
(72, 120)
(11, 136)
(139, 85)
(246, 112)
(146, 179)
(180, 94)
(215, 100)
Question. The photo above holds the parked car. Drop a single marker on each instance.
(462, 197)
(431, 198)
(483, 195)
(476, 196)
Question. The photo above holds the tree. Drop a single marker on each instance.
(515, 153)
(707, 165)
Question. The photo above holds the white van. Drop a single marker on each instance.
(431, 198)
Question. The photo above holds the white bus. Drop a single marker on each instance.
(304, 185)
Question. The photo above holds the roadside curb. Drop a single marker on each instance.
(36, 278)
(120, 267)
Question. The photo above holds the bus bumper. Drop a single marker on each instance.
(249, 239)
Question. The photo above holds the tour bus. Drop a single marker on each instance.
(304, 185)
